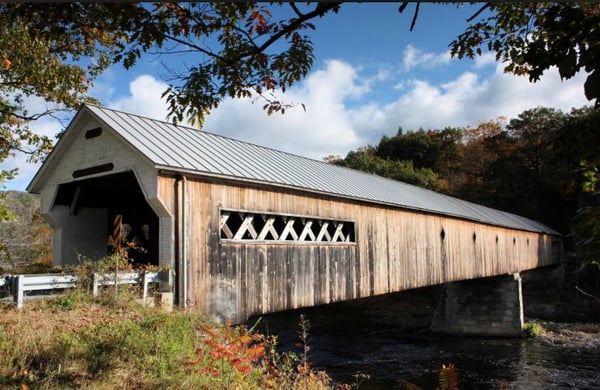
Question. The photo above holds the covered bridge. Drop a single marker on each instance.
(252, 230)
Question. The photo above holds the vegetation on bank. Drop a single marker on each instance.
(74, 341)
(533, 329)
(114, 342)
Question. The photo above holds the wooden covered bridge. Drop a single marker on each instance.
(252, 230)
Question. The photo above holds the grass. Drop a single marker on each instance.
(72, 342)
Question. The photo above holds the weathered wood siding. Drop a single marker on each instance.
(395, 250)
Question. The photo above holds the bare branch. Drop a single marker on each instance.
(415, 16)
(320, 9)
(296, 10)
(476, 14)
(193, 46)
(35, 117)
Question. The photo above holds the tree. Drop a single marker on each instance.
(54, 62)
(539, 168)
(532, 165)
(578, 143)
(532, 37)
(415, 146)
(243, 50)
(435, 149)
(587, 222)
(235, 49)
(365, 159)
(520, 167)
(481, 146)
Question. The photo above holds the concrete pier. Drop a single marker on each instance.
(483, 307)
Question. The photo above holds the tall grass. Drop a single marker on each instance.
(111, 342)
(73, 342)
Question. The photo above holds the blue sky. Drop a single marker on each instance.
(371, 75)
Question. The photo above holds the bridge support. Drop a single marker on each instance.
(483, 307)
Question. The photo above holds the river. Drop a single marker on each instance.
(387, 338)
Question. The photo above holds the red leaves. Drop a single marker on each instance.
(448, 377)
(6, 63)
(258, 21)
(269, 83)
(227, 350)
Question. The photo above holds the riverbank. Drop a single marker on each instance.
(577, 336)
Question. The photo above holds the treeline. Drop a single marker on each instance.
(25, 238)
(542, 165)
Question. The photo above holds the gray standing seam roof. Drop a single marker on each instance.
(177, 147)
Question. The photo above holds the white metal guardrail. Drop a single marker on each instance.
(47, 285)
(39, 282)
(143, 278)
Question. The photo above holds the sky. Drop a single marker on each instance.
(370, 77)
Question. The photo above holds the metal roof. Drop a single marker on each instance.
(181, 148)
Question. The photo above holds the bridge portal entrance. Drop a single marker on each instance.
(85, 212)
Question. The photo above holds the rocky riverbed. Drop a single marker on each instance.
(576, 336)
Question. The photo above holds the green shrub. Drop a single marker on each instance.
(533, 329)
(66, 301)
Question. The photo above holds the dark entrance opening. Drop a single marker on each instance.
(117, 194)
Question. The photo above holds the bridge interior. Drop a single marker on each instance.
(109, 196)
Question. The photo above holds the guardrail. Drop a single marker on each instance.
(143, 278)
(38, 282)
(48, 285)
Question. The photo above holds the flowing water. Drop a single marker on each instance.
(481, 363)
(389, 342)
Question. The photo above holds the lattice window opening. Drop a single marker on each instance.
(242, 226)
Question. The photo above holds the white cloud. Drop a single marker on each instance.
(469, 100)
(144, 98)
(335, 82)
(324, 128)
(509, 95)
(332, 125)
(485, 59)
(414, 57)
